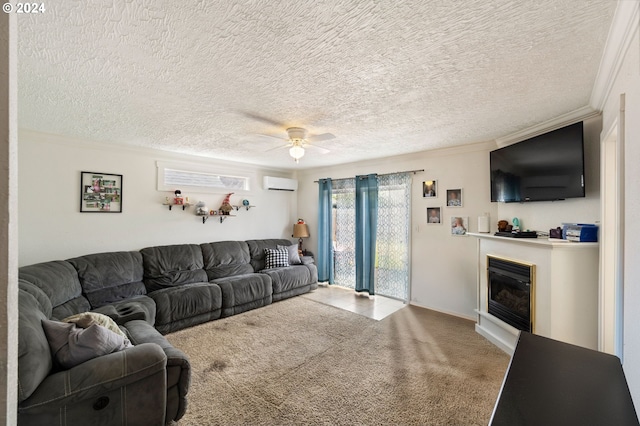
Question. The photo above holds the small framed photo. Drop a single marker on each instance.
(454, 197)
(429, 188)
(433, 215)
(100, 192)
(459, 225)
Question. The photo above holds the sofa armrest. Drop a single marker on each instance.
(307, 260)
(99, 375)
(142, 332)
(178, 366)
(127, 387)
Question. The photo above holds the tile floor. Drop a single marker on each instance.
(375, 307)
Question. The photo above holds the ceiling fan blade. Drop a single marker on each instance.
(321, 137)
(264, 135)
(261, 118)
(317, 148)
(278, 147)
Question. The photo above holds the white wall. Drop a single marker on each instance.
(8, 218)
(544, 215)
(444, 267)
(52, 227)
(628, 82)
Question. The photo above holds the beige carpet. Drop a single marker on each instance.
(301, 362)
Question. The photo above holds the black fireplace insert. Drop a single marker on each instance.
(510, 291)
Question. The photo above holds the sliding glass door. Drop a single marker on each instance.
(393, 236)
(393, 242)
(344, 228)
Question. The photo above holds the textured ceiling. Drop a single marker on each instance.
(385, 77)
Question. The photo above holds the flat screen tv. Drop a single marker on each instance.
(548, 167)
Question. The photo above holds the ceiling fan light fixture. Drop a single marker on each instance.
(297, 152)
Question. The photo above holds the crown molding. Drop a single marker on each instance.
(382, 164)
(567, 119)
(623, 27)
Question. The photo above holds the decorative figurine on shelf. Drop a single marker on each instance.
(226, 206)
(178, 198)
(245, 202)
(201, 209)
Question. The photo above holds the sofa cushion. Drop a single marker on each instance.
(59, 281)
(135, 308)
(44, 303)
(256, 250)
(244, 292)
(34, 356)
(71, 345)
(174, 265)
(110, 277)
(183, 306)
(226, 259)
(276, 258)
(284, 279)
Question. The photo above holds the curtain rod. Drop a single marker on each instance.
(381, 174)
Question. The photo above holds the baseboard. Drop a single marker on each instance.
(443, 311)
(500, 343)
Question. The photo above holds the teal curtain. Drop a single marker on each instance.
(366, 230)
(325, 219)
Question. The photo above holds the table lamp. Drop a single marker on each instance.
(300, 231)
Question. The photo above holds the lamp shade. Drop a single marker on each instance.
(300, 230)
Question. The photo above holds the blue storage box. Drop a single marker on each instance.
(580, 232)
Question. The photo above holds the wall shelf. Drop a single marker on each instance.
(184, 206)
(242, 206)
(221, 216)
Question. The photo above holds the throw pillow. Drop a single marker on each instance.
(72, 346)
(276, 258)
(294, 258)
(86, 319)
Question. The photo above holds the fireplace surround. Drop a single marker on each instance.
(565, 303)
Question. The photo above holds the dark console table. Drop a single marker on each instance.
(554, 383)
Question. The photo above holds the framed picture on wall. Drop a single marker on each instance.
(429, 188)
(433, 215)
(100, 192)
(459, 225)
(454, 197)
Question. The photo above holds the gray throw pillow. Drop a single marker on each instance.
(294, 258)
(71, 346)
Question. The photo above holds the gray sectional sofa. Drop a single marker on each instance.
(148, 293)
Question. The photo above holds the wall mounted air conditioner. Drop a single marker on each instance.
(279, 184)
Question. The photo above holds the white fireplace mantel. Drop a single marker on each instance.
(566, 289)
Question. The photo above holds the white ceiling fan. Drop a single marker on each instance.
(298, 141)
